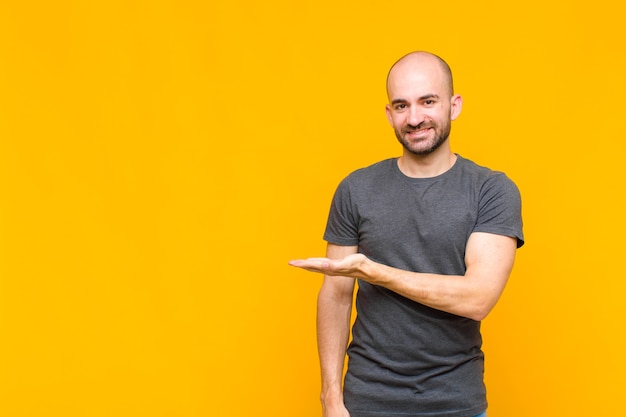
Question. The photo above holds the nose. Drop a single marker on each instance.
(415, 117)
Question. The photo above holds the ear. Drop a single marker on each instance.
(388, 111)
(456, 104)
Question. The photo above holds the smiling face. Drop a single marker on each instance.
(421, 104)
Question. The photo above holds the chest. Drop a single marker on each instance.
(417, 225)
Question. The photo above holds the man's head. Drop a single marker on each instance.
(421, 102)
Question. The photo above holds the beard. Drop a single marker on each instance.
(424, 146)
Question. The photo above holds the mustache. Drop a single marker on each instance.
(411, 128)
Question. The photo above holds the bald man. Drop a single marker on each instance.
(431, 238)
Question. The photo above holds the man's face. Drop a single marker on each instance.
(420, 108)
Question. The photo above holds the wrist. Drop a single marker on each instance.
(366, 269)
(329, 399)
(331, 394)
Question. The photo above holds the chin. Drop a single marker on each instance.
(421, 149)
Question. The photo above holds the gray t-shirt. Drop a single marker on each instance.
(407, 359)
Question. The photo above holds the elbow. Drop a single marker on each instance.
(478, 315)
(479, 311)
(480, 303)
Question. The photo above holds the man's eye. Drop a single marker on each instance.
(429, 102)
(400, 106)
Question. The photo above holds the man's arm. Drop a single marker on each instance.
(334, 307)
(489, 260)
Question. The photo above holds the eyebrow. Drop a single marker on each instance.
(425, 97)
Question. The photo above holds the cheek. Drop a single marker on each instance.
(399, 123)
(440, 116)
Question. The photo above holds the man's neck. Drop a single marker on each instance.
(426, 166)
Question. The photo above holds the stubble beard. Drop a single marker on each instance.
(435, 143)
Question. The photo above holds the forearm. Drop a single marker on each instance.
(489, 260)
(454, 294)
(333, 329)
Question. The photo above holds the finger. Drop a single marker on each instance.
(309, 261)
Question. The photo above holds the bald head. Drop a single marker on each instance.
(420, 61)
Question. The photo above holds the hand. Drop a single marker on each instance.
(351, 266)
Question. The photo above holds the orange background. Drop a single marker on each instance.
(161, 161)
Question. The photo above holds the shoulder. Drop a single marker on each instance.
(499, 203)
(469, 167)
(373, 170)
(484, 176)
(372, 174)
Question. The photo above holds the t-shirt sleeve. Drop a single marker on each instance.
(342, 224)
(500, 208)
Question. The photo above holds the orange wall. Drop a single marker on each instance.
(161, 161)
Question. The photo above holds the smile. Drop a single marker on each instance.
(419, 132)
